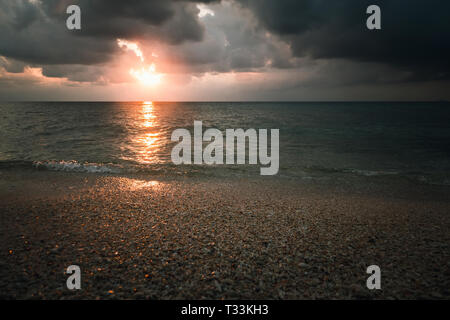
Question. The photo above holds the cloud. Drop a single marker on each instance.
(29, 76)
(35, 31)
(232, 42)
(414, 35)
(131, 46)
(217, 36)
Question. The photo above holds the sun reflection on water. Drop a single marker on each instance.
(147, 143)
(150, 146)
(148, 114)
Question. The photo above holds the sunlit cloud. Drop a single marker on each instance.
(204, 11)
(131, 46)
(29, 75)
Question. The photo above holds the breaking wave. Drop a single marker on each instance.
(74, 166)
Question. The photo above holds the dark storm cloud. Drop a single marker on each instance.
(133, 18)
(36, 31)
(414, 37)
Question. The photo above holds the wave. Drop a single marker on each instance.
(92, 167)
(433, 180)
(370, 173)
(360, 172)
(168, 169)
(74, 166)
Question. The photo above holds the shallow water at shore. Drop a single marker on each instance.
(316, 139)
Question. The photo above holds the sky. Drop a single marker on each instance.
(229, 50)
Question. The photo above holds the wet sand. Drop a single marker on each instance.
(140, 237)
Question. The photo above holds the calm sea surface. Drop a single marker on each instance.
(317, 140)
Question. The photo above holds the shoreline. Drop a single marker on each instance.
(142, 237)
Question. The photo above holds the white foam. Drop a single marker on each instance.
(74, 166)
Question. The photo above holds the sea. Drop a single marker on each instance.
(317, 140)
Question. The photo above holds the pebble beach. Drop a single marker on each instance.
(146, 238)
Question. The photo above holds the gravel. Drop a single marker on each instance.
(153, 238)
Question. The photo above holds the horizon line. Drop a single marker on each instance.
(231, 101)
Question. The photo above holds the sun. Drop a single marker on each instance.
(147, 76)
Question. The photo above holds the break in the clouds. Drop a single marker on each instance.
(224, 50)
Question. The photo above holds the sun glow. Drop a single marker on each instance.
(147, 76)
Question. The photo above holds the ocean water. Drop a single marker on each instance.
(317, 140)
